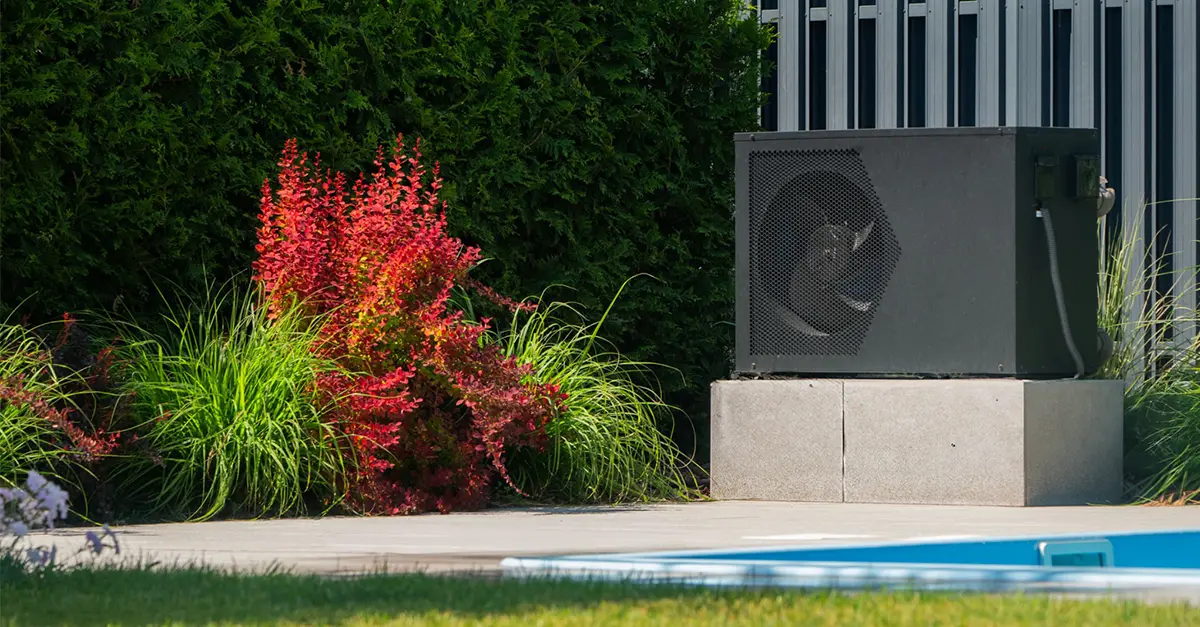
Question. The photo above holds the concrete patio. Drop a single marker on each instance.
(478, 541)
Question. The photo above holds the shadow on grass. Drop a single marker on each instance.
(128, 596)
(133, 596)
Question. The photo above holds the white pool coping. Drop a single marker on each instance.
(692, 568)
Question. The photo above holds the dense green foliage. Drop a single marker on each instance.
(582, 142)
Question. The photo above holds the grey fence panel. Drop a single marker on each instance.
(1127, 67)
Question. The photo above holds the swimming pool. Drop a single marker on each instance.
(1082, 562)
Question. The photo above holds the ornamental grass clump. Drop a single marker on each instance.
(1162, 373)
(228, 412)
(430, 411)
(607, 443)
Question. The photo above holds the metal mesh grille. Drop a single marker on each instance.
(821, 252)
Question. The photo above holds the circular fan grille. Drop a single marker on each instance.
(821, 252)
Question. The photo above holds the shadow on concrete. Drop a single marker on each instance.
(586, 509)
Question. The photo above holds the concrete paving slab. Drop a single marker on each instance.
(476, 542)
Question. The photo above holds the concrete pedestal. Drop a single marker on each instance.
(949, 442)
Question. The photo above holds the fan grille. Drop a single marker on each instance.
(821, 252)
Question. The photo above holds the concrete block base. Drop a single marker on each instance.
(947, 442)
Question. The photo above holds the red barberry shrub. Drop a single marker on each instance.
(430, 408)
(93, 420)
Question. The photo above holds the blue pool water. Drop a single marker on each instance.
(1082, 562)
(1175, 549)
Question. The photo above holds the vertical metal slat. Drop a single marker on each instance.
(1083, 65)
(837, 27)
(1133, 146)
(768, 17)
(855, 96)
(1103, 112)
(791, 19)
(938, 64)
(1150, 243)
(1186, 157)
(1025, 53)
(956, 63)
(991, 12)
(807, 45)
(905, 110)
(1011, 60)
(887, 64)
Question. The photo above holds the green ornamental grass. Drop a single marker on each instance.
(228, 412)
(1161, 371)
(607, 445)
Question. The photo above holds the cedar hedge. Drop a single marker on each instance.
(582, 142)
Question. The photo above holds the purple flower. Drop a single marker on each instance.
(35, 482)
(39, 504)
(50, 498)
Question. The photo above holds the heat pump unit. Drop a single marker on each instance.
(917, 252)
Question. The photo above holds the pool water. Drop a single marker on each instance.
(1160, 559)
(1175, 549)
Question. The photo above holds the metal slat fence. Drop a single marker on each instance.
(1127, 67)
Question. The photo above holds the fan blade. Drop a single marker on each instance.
(858, 305)
(860, 237)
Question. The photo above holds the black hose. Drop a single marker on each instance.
(1056, 281)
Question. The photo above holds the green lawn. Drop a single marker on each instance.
(140, 597)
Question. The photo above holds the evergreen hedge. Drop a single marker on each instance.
(582, 142)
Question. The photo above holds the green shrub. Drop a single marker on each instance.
(1162, 374)
(581, 142)
(606, 445)
(227, 410)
